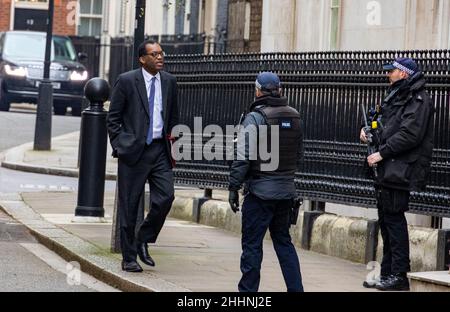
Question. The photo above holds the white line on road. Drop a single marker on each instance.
(62, 188)
(58, 264)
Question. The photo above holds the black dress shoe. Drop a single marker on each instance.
(142, 250)
(397, 282)
(131, 266)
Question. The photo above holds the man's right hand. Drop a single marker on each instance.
(363, 136)
(233, 199)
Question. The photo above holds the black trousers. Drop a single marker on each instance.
(154, 167)
(257, 216)
(392, 204)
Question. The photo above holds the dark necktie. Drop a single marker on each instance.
(151, 104)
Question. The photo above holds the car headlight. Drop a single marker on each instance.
(16, 71)
(77, 76)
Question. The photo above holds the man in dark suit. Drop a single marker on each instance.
(142, 113)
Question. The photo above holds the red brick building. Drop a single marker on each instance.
(32, 15)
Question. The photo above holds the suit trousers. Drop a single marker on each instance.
(392, 204)
(257, 216)
(154, 167)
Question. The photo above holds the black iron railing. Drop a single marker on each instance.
(327, 88)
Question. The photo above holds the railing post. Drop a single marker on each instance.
(318, 206)
(93, 137)
(198, 202)
(139, 31)
(443, 250)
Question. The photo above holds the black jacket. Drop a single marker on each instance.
(128, 118)
(266, 187)
(406, 140)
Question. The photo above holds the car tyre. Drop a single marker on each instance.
(4, 103)
(77, 108)
(76, 111)
(60, 110)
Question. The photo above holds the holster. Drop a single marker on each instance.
(295, 209)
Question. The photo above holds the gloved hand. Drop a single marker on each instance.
(233, 199)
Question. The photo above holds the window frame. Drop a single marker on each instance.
(27, 4)
(91, 16)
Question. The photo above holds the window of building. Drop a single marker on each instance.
(335, 24)
(90, 23)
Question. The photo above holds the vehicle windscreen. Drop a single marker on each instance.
(32, 47)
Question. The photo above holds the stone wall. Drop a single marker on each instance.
(236, 26)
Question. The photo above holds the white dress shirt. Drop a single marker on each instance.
(158, 122)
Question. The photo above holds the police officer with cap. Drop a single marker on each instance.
(269, 192)
(403, 163)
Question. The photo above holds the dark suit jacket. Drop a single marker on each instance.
(129, 119)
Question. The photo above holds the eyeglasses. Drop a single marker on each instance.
(156, 54)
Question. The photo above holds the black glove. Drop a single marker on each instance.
(233, 199)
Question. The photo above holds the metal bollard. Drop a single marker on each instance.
(43, 128)
(198, 202)
(93, 136)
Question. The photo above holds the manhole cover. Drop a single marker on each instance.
(12, 231)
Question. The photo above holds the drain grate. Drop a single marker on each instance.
(12, 231)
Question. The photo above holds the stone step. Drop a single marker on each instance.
(430, 281)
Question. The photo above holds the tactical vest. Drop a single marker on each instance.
(288, 120)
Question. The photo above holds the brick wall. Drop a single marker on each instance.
(60, 21)
(61, 25)
(236, 26)
(5, 14)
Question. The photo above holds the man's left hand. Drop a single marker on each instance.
(374, 159)
(233, 200)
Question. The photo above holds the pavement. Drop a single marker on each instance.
(190, 257)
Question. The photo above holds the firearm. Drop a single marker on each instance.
(371, 148)
(241, 120)
(293, 213)
(233, 151)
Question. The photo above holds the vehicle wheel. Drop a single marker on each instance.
(60, 110)
(4, 103)
(76, 111)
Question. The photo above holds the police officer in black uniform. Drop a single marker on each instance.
(403, 163)
(270, 192)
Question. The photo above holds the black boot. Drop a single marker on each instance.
(397, 282)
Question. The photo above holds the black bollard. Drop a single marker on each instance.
(93, 136)
(43, 128)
